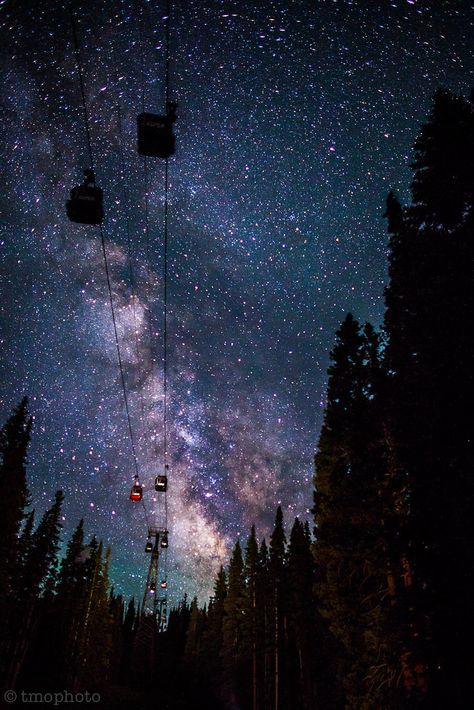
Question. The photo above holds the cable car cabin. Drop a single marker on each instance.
(86, 205)
(137, 492)
(152, 587)
(164, 584)
(161, 484)
(164, 540)
(155, 133)
(149, 546)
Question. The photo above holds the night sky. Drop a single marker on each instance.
(294, 121)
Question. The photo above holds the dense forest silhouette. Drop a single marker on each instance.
(371, 607)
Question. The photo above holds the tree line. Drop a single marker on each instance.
(376, 610)
(370, 605)
(61, 625)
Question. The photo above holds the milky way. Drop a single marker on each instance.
(295, 119)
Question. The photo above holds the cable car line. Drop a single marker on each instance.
(126, 193)
(147, 201)
(165, 279)
(119, 356)
(104, 250)
(81, 83)
(155, 139)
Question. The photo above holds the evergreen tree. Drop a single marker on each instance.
(24, 550)
(67, 614)
(278, 607)
(352, 547)
(213, 636)
(429, 302)
(265, 624)
(193, 658)
(14, 439)
(442, 185)
(96, 642)
(37, 579)
(233, 627)
(128, 635)
(42, 561)
(301, 617)
(72, 566)
(251, 621)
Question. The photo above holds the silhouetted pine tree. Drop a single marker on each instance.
(25, 543)
(301, 618)
(333, 507)
(194, 661)
(172, 676)
(14, 439)
(128, 636)
(277, 610)
(36, 585)
(352, 545)
(250, 622)
(429, 304)
(213, 634)
(96, 647)
(68, 610)
(265, 623)
(233, 628)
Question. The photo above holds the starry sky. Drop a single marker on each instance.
(295, 119)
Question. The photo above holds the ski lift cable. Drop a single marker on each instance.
(104, 250)
(146, 201)
(119, 356)
(81, 83)
(126, 182)
(165, 251)
(146, 182)
(165, 267)
(126, 193)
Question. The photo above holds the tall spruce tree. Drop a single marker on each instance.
(351, 544)
(301, 617)
(14, 440)
(37, 580)
(429, 304)
(67, 613)
(251, 621)
(278, 609)
(213, 635)
(265, 623)
(42, 561)
(233, 627)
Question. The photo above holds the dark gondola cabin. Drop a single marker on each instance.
(161, 484)
(149, 546)
(86, 205)
(152, 588)
(137, 492)
(164, 540)
(155, 133)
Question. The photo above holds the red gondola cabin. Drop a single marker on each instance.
(136, 493)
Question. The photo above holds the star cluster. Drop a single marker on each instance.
(294, 121)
